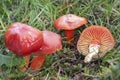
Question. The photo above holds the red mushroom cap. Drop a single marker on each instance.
(51, 43)
(23, 39)
(69, 22)
(95, 35)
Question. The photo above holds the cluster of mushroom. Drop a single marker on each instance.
(23, 40)
(93, 40)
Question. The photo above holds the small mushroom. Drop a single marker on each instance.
(23, 39)
(69, 22)
(52, 42)
(93, 40)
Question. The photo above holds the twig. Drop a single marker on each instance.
(70, 5)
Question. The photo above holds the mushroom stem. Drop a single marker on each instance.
(69, 34)
(23, 68)
(37, 61)
(93, 50)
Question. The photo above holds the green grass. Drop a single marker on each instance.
(66, 64)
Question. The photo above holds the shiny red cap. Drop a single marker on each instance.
(69, 22)
(51, 43)
(23, 39)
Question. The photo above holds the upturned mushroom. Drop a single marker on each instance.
(52, 42)
(94, 42)
(69, 22)
(23, 39)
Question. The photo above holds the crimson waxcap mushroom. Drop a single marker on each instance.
(23, 39)
(51, 43)
(95, 39)
(69, 22)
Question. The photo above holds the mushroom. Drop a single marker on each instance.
(52, 42)
(93, 40)
(69, 22)
(23, 39)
